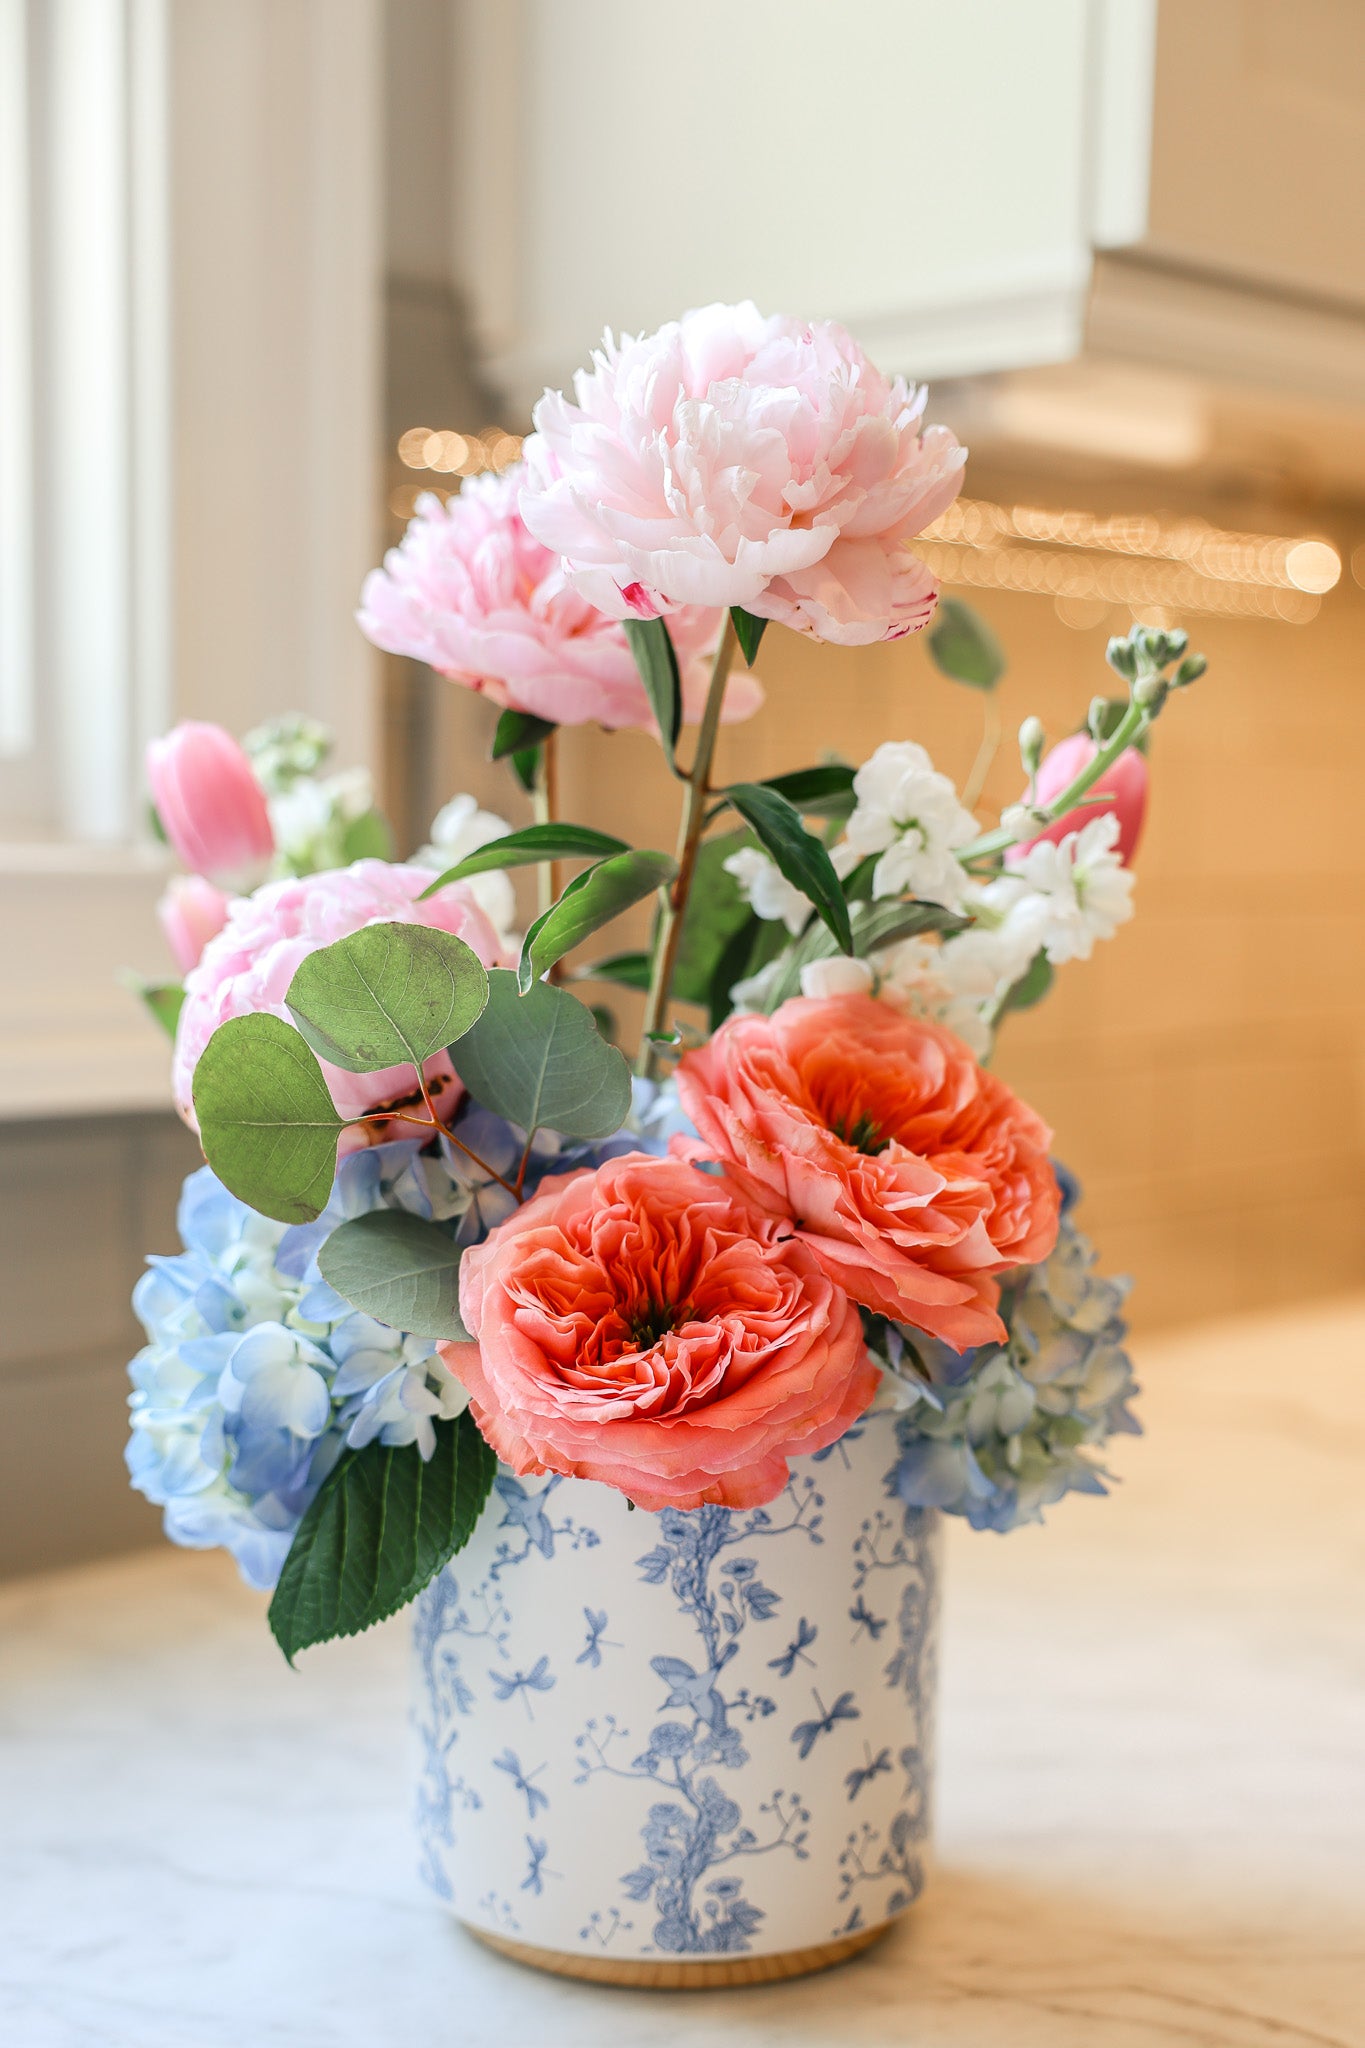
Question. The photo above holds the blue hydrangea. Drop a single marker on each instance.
(1001, 1433)
(256, 1374)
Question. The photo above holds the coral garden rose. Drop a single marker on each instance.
(250, 963)
(913, 1175)
(211, 807)
(642, 1326)
(1121, 790)
(732, 459)
(471, 593)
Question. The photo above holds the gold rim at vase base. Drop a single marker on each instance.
(662, 1973)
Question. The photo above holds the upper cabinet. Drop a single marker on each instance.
(937, 177)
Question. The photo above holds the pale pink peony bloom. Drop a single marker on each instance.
(913, 1175)
(731, 459)
(192, 911)
(641, 1325)
(252, 961)
(470, 593)
(211, 807)
(1122, 788)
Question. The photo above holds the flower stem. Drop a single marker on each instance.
(985, 753)
(545, 805)
(1126, 733)
(432, 1122)
(689, 839)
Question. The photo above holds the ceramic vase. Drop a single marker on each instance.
(683, 1748)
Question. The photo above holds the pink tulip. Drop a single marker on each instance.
(193, 910)
(211, 806)
(1122, 789)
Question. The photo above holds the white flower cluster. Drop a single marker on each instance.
(910, 815)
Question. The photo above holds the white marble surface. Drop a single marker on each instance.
(1152, 1816)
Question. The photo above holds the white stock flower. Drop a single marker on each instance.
(459, 829)
(910, 814)
(767, 891)
(837, 976)
(1069, 894)
(309, 818)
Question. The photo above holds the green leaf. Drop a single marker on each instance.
(964, 647)
(367, 837)
(163, 999)
(658, 666)
(882, 924)
(625, 970)
(1031, 986)
(798, 854)
(398, 1268)
(716, 910)
(748, 632)
(752, 947)
(382, 1524)
(539, 1060)
(593, 899)
(827, 789)
(518, 732)
(267, 1123)
(526, 764)
(532, 843)
(388, 995)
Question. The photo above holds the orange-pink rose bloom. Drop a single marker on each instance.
(913, 1175)
(641, 1325)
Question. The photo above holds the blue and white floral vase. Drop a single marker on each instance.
(683, 1748)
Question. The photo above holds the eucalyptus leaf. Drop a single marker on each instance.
(748, 631)
(267, 1122)
(382, 1524)
(593, 899)
(658, 665)
(533, 843)
(538, 1060)
(798, 854)
(398, 1268)
(518, 731)
(388, 995)
(964, 647)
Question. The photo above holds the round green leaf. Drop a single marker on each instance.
(267, 1122)
(389, 995)
(540, 1061)
(398, 1268)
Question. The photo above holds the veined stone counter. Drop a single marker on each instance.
(1151, 1821)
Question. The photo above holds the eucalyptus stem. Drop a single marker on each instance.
(1129, 729)
(674, 905)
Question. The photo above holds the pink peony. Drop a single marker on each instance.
(252, 961)
(211, 807)
(473, 595)
(913, 1175)
(735, 460)
(1123, 788)
(642, 1326)
(192, 911)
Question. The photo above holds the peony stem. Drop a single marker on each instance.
(689, 839)
(545, 804)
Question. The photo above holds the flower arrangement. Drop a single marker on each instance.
(442, 1225)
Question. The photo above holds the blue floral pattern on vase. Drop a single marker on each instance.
(682, 1734)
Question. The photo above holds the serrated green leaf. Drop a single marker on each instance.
(533, 843)
(367, 837)
(380, 1527)
(826, 790)
(398, 1268)
(748, 631)
(798, 854)
(517, 732)
(163, 1000)
(388, 995)
(267, 1122)
(964, 647)
(593, 899)
(624, 970)
(539, 1060)
(658, 665)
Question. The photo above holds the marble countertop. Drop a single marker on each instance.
(1152, 1810)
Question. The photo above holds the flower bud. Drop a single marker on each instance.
(192, 911)
(1032, 739)
(1122, 658)
(211, 807)
(1121, 789)
(1189, 671)
(1149, 693)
